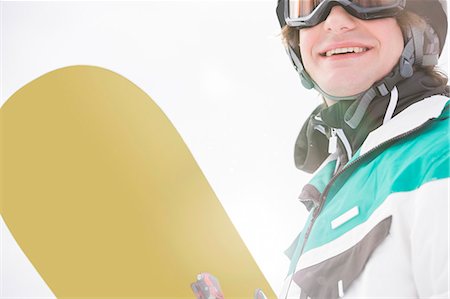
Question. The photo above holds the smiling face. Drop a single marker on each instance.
(346, 56)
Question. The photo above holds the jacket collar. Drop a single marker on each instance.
(311, 147)
(414, 116)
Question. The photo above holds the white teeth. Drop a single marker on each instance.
(345, 50)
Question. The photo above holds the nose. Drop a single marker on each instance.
(339, 20)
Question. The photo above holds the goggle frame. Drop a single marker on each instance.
(322, 10)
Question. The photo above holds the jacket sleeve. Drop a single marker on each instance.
(429, 239)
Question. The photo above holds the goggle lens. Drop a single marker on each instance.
(303, 8)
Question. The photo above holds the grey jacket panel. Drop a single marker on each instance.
(329, 279)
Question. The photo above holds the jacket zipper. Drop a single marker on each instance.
(378, 148)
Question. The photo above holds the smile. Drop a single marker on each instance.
(339, 51)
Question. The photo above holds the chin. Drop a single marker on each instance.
(344, 89)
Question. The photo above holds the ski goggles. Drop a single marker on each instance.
(308, 13)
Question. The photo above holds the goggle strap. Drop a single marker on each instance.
(407, 59)
(356, 111)
(295, 60)
(429, 60)
(307, 82)
(431, 48)
(418, 36)
(382, 89)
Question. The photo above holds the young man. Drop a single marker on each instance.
(378, 147)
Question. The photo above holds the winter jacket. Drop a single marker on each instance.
(379, 221)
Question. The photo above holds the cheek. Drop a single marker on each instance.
(392, 51)
(390, 36)
(307, 39)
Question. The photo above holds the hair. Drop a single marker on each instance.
(290, 37)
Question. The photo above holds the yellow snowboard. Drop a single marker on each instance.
(105, 199)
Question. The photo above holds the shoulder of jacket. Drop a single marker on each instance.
(413, 117)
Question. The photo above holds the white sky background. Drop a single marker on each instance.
(219, 72)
